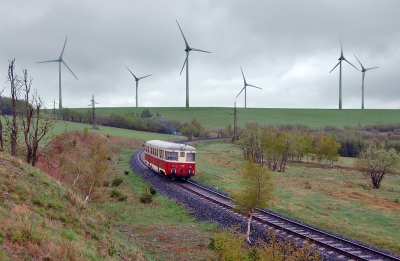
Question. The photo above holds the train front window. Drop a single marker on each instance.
(172, 155)
(182, 154)
(190, 157)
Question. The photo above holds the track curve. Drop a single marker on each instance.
(195, 195)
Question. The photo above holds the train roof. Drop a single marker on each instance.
(170, 145)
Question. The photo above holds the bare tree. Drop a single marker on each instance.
(37, 129)
(1, 127)
(12, 124)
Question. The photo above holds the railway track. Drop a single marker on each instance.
(340, 247)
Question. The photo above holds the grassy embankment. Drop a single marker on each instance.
(324, 197)
(219, 118)
(42, 217)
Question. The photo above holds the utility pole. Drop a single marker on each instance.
(93, 102)
(234, 124)
(54, 108)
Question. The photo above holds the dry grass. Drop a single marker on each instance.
(335, 199)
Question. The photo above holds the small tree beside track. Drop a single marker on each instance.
(376, 161)
(256, 191)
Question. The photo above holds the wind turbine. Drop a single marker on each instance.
(245, 88)
(60, 60)
(363, 70)
(187, 50)
(341, 58)
(137, 83)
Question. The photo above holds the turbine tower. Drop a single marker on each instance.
(187, 50)
(60, 60)
(341, 58)
(245, 88)
(137, 83)
(363, 70)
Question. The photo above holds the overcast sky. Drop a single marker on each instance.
(285, 47)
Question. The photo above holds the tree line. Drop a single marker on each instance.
(274, 147)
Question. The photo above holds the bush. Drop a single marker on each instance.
(146, 198)
(152, 190)
(115, 194)
(85, 133)
(126, 172)
(122, 198)
(116, 182)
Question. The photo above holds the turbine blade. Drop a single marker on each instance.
(144, 76)
(187, 55)
(351, 64)
(244, 79)
(49, 61)
(186, 43)
(362, 67)
(62, 53)
(136, 79)
(334, 67)
(341, 48)
(241, 91)
(69, 69)
(371, 68)
(254, 86)
(198, 50)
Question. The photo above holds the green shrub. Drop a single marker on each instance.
(122, 198)
(116, 182)
(1, 238)
(112, 250)
(126, 172)
(85, 133)
(38, 202)
(152, 190)
(396, 200)
(19, 236)
(146, 198)
(115, 193)
(68, 234)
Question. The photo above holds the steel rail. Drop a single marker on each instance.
(353, 250)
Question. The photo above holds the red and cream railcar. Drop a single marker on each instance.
(171, 159)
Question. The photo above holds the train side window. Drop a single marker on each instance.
(172, 155)
(190, 157)
(182, 154)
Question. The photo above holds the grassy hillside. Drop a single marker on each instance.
(219, 118)
(41, 219)
(43, 216)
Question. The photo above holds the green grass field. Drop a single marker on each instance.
(324, 197)
(218, 118)
(61, 126)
